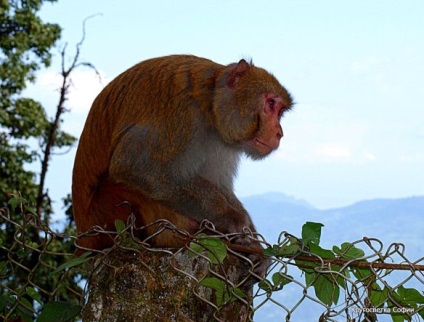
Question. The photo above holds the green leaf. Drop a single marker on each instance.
(397, 317)
(59, 312)
(363, 274)
(31, 211)
(73, 262)
(280, 280)
(421, 311)
(16, 201)
(25, 309)
(223, 294)
(120, 226)
(3, 268)
(341, 279)
(268, 251)
(215, 248)
(34, 294)
(32, 245)
(326, 289)
(219, 287)
(239, 293)
(265, 285)
(311, 232)
(349, 251)
(291, 248)
(4, 300)
(23, 252)
(213, 283)
(377, 296)
(310, 277)
(195, 249)
(325, 285)
(321, 252)
(409, 296)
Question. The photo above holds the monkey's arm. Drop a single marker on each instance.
(148, 170)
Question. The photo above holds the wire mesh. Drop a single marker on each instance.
(381, 283)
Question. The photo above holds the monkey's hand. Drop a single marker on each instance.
(248, 243)
(255, 259)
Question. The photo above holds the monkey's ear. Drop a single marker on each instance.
(237, 73)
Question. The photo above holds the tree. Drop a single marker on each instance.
(25, 43)
(28, 136)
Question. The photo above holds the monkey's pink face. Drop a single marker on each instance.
(270, 132)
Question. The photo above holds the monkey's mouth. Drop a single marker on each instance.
(261, 143)
(257, 149)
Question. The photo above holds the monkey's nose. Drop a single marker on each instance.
(280, 134)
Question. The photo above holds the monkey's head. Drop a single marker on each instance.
(248, 105)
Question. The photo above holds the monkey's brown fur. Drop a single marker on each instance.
(166, 136)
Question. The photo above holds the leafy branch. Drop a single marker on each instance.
(328, 271)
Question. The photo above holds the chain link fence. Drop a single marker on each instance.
(359, 281)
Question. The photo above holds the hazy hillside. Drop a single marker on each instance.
(389, 220)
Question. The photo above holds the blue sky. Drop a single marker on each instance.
(355, 69)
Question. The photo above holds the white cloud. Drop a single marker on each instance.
(338, 152)
(329, 134)
(85, 85)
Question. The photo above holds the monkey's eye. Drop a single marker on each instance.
(271, 103)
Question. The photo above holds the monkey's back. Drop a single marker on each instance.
(140, 95)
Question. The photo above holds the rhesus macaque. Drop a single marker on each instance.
(166, 136)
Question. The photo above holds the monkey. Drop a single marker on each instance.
(166, 137)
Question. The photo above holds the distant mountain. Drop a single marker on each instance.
(274, 212)
(277, 197)
(391, 220)
(408, 206)
(388, 220)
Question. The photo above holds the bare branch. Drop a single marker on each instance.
(60, 109)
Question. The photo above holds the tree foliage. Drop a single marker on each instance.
(25, 44)
(27, 136)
